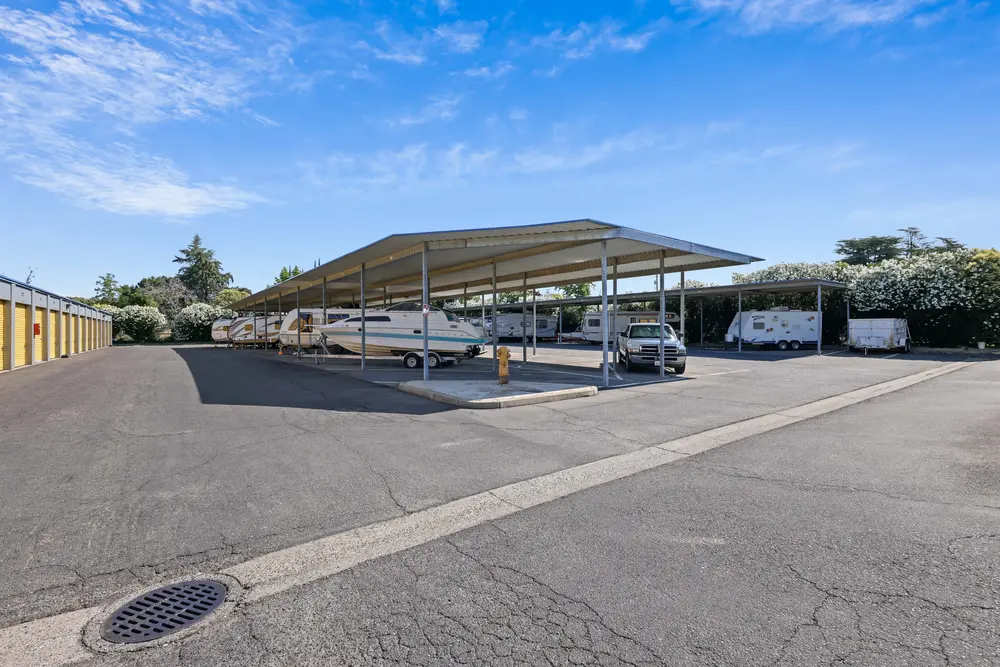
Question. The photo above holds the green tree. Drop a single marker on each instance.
(230, 295)
(575, 291)
(869, 249)
(201, 272)
(133, 295)
(168, 293)
(286, 273)
(106, 289)
(947, 244)
(914, 241)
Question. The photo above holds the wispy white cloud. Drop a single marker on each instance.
(442, 108)
(764, 15)
(564, 155)
(461, 36)
(496, 71)
(835, 157)
(97, 68)
(518, 114)
(586, 39)
(446, 6)
(120, 180)
(412, 166)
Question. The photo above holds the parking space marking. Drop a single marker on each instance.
(708, 375)
(55, 640)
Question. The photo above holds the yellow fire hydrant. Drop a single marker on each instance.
(503, 354)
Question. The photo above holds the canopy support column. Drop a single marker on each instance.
(298, 314)
(819, 319)
(425, 304)
(364, 328)
(683, 329)
(739, 318)
(614, 321)
(534, 323)
(524, 317)
(663, 315)
(604, 311)
(324, 300)
(493, 304)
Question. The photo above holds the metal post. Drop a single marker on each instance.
(465, 300)
(524, 317)
(739, 315)
(604, 309)
(493, 303)
(560, 323)
(385, 297)
(683, 330)
(324, 301)
(663, 315)
(701, 322)
(534, 323)
(848, 314)
(819, 319)
(298, 314)
(364, 327)
(265, 325)
(255, 324)
(614, 321)
(426, 302)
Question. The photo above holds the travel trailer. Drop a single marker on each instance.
(220, 330)
(308, 319)
(398, 331)
(885, 333)
(590, 330)
(509, 325)
(783, 328)
(242, 333)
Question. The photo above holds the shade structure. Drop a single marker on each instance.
(462, 262)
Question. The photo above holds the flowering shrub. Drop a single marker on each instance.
(194, 322)
(140, 323)
(115, 318)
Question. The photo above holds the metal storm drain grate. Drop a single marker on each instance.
(163, 611)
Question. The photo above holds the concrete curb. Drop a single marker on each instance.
(499, 402)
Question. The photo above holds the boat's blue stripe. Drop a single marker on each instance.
(447, 339)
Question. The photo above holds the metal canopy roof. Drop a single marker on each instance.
(545, 255)
(773, 287)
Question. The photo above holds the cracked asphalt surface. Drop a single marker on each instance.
(869, 536)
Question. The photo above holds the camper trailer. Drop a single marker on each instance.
(884, 333)
(242, 332)
(220, 330)
(307, 319)
(509, 325)
(783, 328)
(590, 330)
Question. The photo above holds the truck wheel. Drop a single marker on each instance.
(680, 369)
(411, 360)
(795, 344)
(782, 345)
(433, 360)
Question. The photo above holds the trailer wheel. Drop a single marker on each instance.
(795, 344)
(906, 348)
(433, 360)
(411, 360)
(782, 345)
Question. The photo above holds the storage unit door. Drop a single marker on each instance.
(40, 338)
(3, 336)
(65, 334)
(50, 334)
(22, 334)
(76, 334)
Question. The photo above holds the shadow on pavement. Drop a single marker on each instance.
(227, 377)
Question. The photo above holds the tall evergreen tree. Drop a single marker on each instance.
(869, 249)
(107, 290)
(201, 272)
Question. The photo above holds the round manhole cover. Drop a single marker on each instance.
(163, 611)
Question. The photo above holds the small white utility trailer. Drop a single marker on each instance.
(783, 328)
(881, 333)
(590, 329)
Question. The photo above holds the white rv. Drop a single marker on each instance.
(590, 330)
(884, 333)
(220, 330)
(509, 325)
(242, 333)
(308, 319)
(785, 329)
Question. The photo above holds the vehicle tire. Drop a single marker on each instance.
(628, 364)
(411, 361)
(433, 360)
(782, 345)
(795, 345)
(680, 369)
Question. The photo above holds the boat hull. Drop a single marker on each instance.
(390, 343)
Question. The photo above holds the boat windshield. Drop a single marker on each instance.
(452, 317)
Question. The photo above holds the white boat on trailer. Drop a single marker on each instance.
(398, 331)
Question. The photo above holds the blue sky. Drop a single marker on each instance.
(289, 132)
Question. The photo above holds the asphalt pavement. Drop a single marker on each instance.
(866, 536)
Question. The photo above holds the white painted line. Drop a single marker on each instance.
(891, 356)
(708, 375)
(55, 640)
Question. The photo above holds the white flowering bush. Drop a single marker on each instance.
(194, 322)
(140, 323)
(115, 317)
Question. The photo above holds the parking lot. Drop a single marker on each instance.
(193, 459)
